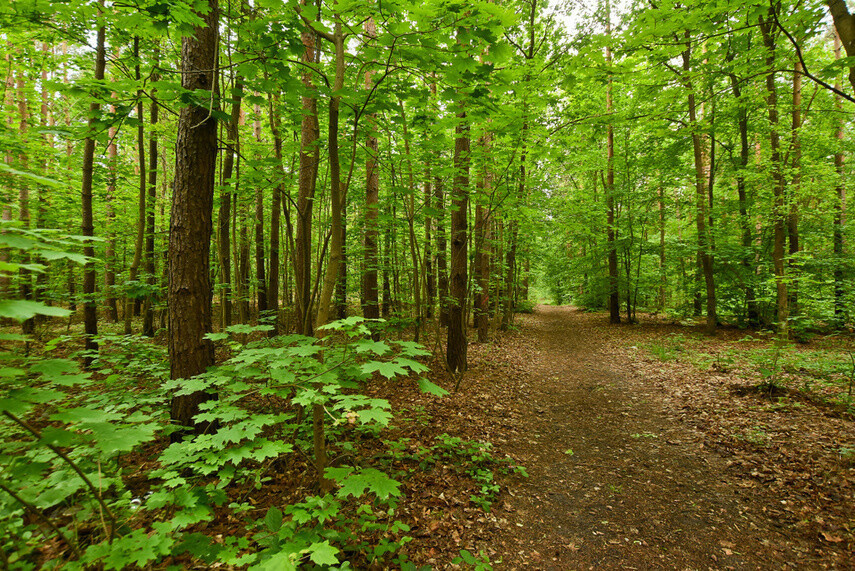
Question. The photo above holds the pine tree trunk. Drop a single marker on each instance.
(191, 222)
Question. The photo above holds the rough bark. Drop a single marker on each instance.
(191, 223)
(457, 343)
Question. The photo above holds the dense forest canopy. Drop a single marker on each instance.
(210, 173)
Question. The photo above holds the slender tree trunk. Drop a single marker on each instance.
(191, 221)
(131, 300)
(24, 276)
(370, 295)
(441, 251)
(87, 227)
(410, 207)
(840, 313)
(224, 215)
(457, 342)
(611, 223)
(336, 246)
(110, 248)
(663, 274)
(701, 199)
(309, 157)
(429, 278)
(777, 182)
(150, 255)
(277, 210)
(746, 261)
(793, 198)
(482, 247)
(260, 276)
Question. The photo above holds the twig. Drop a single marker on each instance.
(23, 424)
(38, 513)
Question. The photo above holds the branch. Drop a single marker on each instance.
(805, 71)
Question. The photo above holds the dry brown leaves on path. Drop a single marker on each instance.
(634, 463)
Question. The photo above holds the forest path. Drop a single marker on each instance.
(615, 482)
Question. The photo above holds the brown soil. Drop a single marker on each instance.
(634, 463)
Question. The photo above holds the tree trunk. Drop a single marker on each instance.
(191, 223)
(844, 23)
(793, 199)
(260, 276)
(224, 215)
(336, 246)
(110, 247)
(746, 261)
(701, 199)
(370, 295)
(24, 275)
(482, 248)
(457, 343)
(779, 214)
(150, 255)
(309, 157)
(87, 227)
(840, 313)
(131, 300)
(611, 229)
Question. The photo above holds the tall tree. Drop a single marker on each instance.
(191, 223)
(87, 227)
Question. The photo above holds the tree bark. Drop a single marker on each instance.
(611, 228)
(701, 199)
(370, 295)
(779, 214)
(336, 247)
(150, 255)
(87, 227)
(844, 23)
(224, 214)
(457, 343)
(191, 223)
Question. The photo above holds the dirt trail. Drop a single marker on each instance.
(615, 481)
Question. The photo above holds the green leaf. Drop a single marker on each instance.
(323, 553)
(279, 562)
(389, 369)
(21, 309)
(273, 519)
(369, 479)
(428, 387)
(376, 347)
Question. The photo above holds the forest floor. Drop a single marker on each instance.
(633, 462)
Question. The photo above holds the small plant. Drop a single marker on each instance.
(480, 562)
